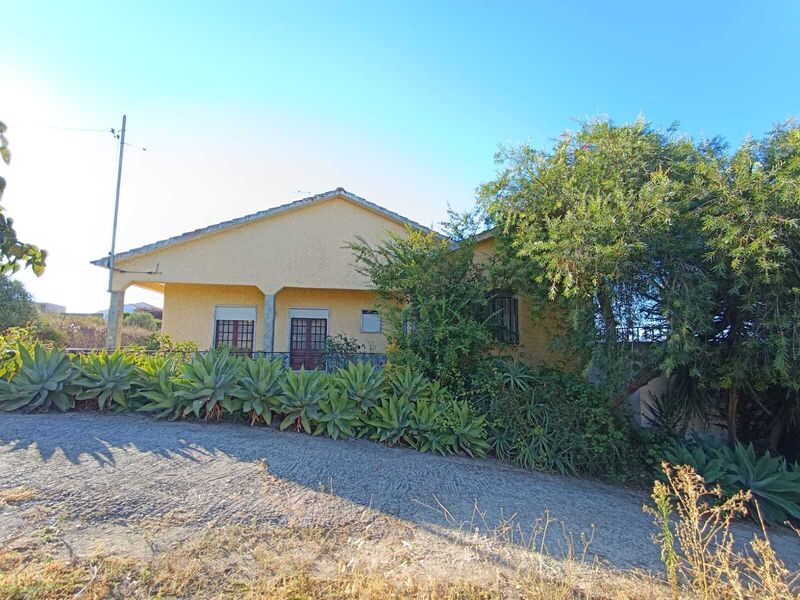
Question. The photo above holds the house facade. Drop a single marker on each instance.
(282, 281)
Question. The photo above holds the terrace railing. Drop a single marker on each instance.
(328, 362)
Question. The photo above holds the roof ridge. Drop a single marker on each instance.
(189, 235)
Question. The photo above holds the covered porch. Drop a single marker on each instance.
(304, 325)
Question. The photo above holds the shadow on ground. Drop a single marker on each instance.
(118, 467)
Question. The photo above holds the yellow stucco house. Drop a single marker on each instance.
(280, 281)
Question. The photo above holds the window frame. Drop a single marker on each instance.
(504, 305)
(242, 313)
(240, 329)
(370, 312)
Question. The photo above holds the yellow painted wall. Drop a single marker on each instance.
(344, 316)
(189, 310)
(302, 247)
(300, 256)
(535, 335)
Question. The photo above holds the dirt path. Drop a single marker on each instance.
(106, 472)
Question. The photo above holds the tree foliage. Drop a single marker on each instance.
(431, 292)
(644, 235)
(13, 253)
(17, 308)
(143, 320)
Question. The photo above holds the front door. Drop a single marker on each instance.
(307, 342)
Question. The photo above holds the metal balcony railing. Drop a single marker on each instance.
(329, 361)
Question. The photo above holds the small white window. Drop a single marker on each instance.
(370, 321)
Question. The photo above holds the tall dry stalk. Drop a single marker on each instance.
(697, 544)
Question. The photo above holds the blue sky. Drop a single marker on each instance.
(243, 106)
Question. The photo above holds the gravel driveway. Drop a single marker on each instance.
(117, 469)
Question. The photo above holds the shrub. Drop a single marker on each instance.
(41, 381)
(302, 393)
(433, 299)
(12, 340)
(163, 343)
(207, 380)
(17, 308)
(106, 378)
(555, 421)
(142, 320)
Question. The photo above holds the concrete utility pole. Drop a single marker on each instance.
(116, 204)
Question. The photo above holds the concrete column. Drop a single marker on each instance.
(269, 322)
(116, 312)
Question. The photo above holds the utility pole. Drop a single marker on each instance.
(116, 205)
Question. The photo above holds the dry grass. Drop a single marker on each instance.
(383, 558)
(295, 563)
(16, 495)
(87, 331)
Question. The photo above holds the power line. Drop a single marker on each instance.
(74, 128)
(111, 130)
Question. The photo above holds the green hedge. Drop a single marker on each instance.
(538, 419)
(392, 406)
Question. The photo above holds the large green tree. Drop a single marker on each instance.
(14, 253)
(751, 225)
(643, 235)
(602, 223)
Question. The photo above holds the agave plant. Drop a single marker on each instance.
(706, 461)
(157, 386)
(338, 415)
(774, 487)
(106, 377)
(206, 381)
(259, 389)
(425, 430)
(301, 394)
(515, 376)
(405, 383)
(544, 447)
(467, 429)
(391, 419)
(41, 381)
(502, 441)
(362, 383)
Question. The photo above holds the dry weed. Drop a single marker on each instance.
(697, 544)
(16, 495)
(283, 563)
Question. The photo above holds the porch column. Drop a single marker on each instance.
(269, 322)
(116, 312)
